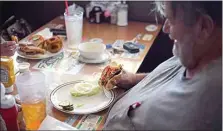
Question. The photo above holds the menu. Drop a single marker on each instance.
(65, 62)
(86, 122)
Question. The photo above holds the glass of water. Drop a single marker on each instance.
(74, 27)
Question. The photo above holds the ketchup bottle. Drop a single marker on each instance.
(9, 110)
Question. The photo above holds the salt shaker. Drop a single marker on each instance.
(122, 14)
(88, 10)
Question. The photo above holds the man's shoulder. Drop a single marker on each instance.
(167, 68)
(212, 73)
(173, 59)
(172, 62)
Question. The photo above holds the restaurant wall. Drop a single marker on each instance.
(37, 13)
(1, 11)
(32, 11)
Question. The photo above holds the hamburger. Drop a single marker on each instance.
(108, 73)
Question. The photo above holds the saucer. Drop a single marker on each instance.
(105, 57)
(151, 28)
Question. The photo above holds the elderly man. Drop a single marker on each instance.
(184, 92)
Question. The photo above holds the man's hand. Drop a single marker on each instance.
(8, 48)
(125, 80)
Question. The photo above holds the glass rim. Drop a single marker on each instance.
(77, 13)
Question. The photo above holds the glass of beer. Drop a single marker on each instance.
(32, 92)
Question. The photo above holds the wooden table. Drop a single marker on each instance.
(109, 33)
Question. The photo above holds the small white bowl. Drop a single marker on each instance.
(91, 50)
(23, 67)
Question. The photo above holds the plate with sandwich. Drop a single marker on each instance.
(39, 48)
(80, 97)
(86, 97)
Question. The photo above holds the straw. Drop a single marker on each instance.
(66, 4)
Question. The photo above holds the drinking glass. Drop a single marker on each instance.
(32, 92)
(74, 27)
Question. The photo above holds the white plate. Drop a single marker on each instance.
(91, 104)
(39, 56)
(151, 28)
(105, 57)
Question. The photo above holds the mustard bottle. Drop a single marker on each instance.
(7, 73)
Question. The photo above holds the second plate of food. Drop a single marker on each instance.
(38, 56)
(41, 49)
(80, 97)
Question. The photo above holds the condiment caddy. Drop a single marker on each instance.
(115, 12)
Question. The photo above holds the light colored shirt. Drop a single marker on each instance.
(171, 101)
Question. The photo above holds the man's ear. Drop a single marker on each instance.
(207, 26)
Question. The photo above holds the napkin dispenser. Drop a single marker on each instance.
(96, 15)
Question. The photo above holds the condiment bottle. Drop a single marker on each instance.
(96, 15)
(7, 73)
(9, 110)
(122, 14)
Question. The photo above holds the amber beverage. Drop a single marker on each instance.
(34, 114)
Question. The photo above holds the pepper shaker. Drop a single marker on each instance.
(113, 19)
(88, 10)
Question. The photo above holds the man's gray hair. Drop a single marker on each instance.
(193, 9)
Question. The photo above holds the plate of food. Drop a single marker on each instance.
(80, 97)
(39, 48)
